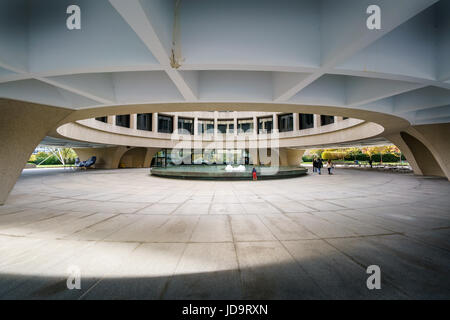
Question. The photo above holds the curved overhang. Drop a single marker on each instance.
(371, 124)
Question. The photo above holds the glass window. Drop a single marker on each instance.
(144, 121)
(123, 120)
(225, 126)
(205, 126)
(160, 159)
(185, 126)
(306, 121)
(221, 128)
(265, 125)
(344, 118)
(165, 124)
(286, 122)
(324, 120)
(245, 125)
(102, 119)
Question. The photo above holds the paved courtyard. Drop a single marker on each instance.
(140, 237)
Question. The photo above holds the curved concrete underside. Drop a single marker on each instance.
(377, 125)
(292, 56)
(136, 236)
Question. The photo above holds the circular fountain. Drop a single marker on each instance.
(227, 172)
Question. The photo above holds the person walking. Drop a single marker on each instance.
(314, 164)
(254, 174)
(319, 165)
(330, 166)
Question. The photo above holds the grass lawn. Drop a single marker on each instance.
(405, 163)
(54, 166)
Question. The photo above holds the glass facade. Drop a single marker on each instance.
(205, 126)
(245, 125)
(225, 126)
(265, 125)
(201, 156)
(324, 120)
(102, 119)
(160, 159)
(144, 121)
(185, 126)
(123, 120)
(306, 121)
(286, 122)
(165, 124)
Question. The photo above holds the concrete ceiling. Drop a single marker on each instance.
(68, 143)
(282, 52)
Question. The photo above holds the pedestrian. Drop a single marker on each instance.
(370, 163)
(330, 166)
(319, 165)
(254, 174)
(314, 164)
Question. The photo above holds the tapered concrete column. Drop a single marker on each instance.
(23, 125)
(404, 148)
(235, 123)
(337, 119)
(155, 122)
(255, 125)
(133, 121)
(112, 120)
(296, 119)
(316, 120)
(290, 157)
(435, 138)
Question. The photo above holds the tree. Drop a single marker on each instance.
(370, 151)
(67, 154)
(316, 152)
(64, 155)
(376, 150)
(353, 152)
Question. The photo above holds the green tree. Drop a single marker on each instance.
(353, 152)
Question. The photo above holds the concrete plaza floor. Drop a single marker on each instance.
(140, 237)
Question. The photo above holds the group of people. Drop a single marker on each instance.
(318, 165)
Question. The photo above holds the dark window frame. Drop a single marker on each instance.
(170, 123)
(326, 120)
(190, 130)
(228, 123)
(239, 128)
(289, 122)
(144, 121)
(303, 122)
(260, 124)
(102, 119)
(204, 130)
(123, 120)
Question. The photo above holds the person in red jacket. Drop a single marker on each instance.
(254, 174)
